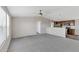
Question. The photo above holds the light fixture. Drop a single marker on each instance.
(40, 13)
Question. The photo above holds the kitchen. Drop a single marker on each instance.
(65, 28)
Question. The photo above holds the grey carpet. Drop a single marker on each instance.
(43, 43)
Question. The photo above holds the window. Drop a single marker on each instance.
(2, 25)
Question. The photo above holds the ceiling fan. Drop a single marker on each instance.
(40, 13)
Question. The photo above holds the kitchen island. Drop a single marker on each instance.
(58, 31)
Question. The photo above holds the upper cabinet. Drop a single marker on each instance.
(64, 23)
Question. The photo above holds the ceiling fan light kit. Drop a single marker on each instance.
(40, 13)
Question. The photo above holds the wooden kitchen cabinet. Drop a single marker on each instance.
(71, 31)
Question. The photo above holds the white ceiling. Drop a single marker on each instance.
(29, 10)
(51, 12)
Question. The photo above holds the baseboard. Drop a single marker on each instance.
(27, 36)
(23, 36)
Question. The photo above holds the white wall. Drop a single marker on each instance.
(23, 27)
(45, 23)
(27, 26)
